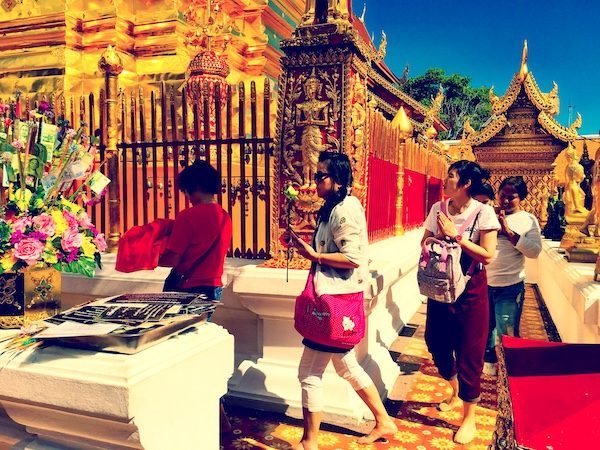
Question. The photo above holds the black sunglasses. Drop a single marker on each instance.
(320, 176)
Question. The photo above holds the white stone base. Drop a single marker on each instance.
(571, 295)
(257, 308)
(165, 397)
(268, 377)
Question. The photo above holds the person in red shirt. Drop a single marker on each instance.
(201, 234)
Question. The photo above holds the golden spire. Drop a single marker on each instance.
(402, 122)
(523, 71)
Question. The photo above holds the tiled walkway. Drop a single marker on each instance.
(412, 402)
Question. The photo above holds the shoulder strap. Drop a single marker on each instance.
(444, 206)
(467, 223)
(203, 256)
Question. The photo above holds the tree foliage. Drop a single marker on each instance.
(461, 99)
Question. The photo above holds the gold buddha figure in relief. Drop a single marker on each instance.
(311, 114)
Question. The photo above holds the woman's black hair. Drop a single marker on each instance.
(487, 190)
(199, 176)
(340, 172)
(470, 171)
(518, 183)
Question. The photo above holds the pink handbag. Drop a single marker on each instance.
(333, 320)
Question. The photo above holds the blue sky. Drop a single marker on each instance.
(483, 40)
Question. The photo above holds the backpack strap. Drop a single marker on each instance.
(470, 220)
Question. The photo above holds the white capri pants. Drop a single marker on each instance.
(313, 365)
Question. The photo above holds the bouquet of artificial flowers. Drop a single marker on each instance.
(46, 168)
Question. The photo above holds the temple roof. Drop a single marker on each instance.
(547, 104)
(389, 96)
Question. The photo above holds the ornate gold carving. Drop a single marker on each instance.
(546, 102)
(382, 50)
(417, 106)
(557, 130)
(332, 11)
(311, 115)
(472, 137)
(501, 105)
(8, 5)
(357, 151)
(110, 61)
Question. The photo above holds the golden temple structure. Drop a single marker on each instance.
(53, 46)
(522, 137)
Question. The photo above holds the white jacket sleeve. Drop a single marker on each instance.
(346, 226)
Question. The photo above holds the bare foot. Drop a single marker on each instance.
(466, 432)
(381, 429)
(449, 404)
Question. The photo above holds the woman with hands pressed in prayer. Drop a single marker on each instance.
(456, 333)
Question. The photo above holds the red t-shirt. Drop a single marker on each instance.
(194, 231)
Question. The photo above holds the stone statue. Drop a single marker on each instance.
(574, 196)
(311, 115)
(593, 217)
(588, 168)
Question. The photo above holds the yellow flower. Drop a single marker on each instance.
(485, 420)
(49, 254)
(442, 443)
(59, 220)
(420, 397)
(88, 247)
(425, 387)
(8, 260)
(483, 434)
(22, 198)
(291, 433)
(327, 439)
(451, 415)
(74, 208)
(406, 437)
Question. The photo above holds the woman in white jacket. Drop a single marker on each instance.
(339, 251)
(519, 237)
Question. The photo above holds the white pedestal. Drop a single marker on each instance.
(165, 397)
(571, 295)
(268, 378)
(257, 308)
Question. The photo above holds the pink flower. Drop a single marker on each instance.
(84, 220)
(44, 223)
(100, 242)
(29, 250)
(21, 223)
(71, 240)
(43, 106)
(71, 219)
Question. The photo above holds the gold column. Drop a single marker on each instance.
(399, 231)
(110, 63)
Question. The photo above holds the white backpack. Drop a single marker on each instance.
(440, 274)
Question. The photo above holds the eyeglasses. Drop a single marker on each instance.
(320, 176)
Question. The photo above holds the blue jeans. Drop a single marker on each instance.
(506, 304)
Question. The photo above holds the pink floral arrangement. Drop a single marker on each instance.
(46, 169)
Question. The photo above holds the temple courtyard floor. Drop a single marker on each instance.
(412, 402)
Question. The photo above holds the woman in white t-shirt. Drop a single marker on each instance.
(456, 333)
(519, 237)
